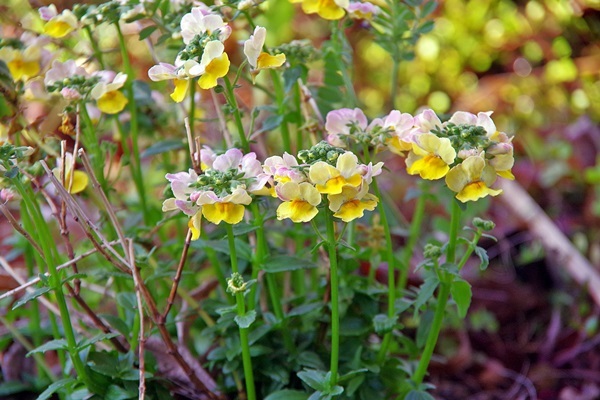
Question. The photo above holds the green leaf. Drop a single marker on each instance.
(418, 395)
(117, 323)
(244, 321)
(428, 8)
(461, 294)
(31, 296)
(287, 263)
(147, 31)
(270, 123)
(12, 387)
(424, 327)
(162, 147)
(56, 386)
(290, 77)
(115, 392)
(287, 395)
(426, 291)
(383, 324)
(483, 256)
(56, 344)
(127, 300)
(315, 379)
(98, 338)
(305, 309)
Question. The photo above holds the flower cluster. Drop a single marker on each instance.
(467, 150)
(204, 57)
(220, 192)
(75, 83)
(325, 170)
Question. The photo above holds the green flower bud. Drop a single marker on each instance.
(483, 224)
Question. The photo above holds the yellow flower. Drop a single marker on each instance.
(217, 68)
(22, 64)
(331, 180)
(75, 181)
(58, 25)
(327, 9)
(300, 201)
(108, 97)
(431, 157)
(257, 58)
(351, 203)
(472, 179)
(229, 208)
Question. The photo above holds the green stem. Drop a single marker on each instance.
(230, 96)
(394, 81)
(334, 285)
(192, 114)
(281, 109)
(470, 250)
(432, 337)
(338, 38)
(134, 154)
(241, 310)
(453, 234)
(95, 48)
(413, 236)
(48, 245)
(92, 143)
(211, 254)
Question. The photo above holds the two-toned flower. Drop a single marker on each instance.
(430, 157)
(471, 179)
(58, 25)
(326, 9)
(257, 57)
(109, 98)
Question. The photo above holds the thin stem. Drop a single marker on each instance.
(470, 250)
(334, 286)
(453, 234)
(97, 52)
(281, 109)
(192, 116)
(230, 96)
(391, 261)
(136, 169)
(432, 337)
(239, 297)
(92, 143)
(413, 236)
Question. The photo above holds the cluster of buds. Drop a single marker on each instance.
(466, 150)
(110, 12)
(325, 171)
(74, 83)
(220, 192)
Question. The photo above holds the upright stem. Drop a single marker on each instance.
(281, 109)
(134, 155)
(443, 294)
(92, 143)
(334, 286)
(192, 114)
(236, 114)
(453, 235)
(241, 310)
(432, 337)
(413, 236)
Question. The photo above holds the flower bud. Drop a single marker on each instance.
(483, 224)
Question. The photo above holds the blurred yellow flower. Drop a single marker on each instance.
(22, 64)
(327, 9)
(75, 181)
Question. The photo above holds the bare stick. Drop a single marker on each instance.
(107, 206)
(15, 224)
(88, 225)
(177, 277)
(191, 143)
(226, 133)
(142, 336)
(554, 241)
(36, 280)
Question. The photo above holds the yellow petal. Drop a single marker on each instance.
(266, 60)
(328, 9)
(112, 102)
(355, 209)
(398, 146)
(475, 191)
(506, 174)
(228, 212)
(57, 29)
(429, 167)
(296, 210)
(195, 225)
(23, 69)
(80, 182)
(181, 87)
(216, 69)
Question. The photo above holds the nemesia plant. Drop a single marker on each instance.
(241, 279)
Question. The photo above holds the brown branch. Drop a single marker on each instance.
(177, 277)
(142, 336)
